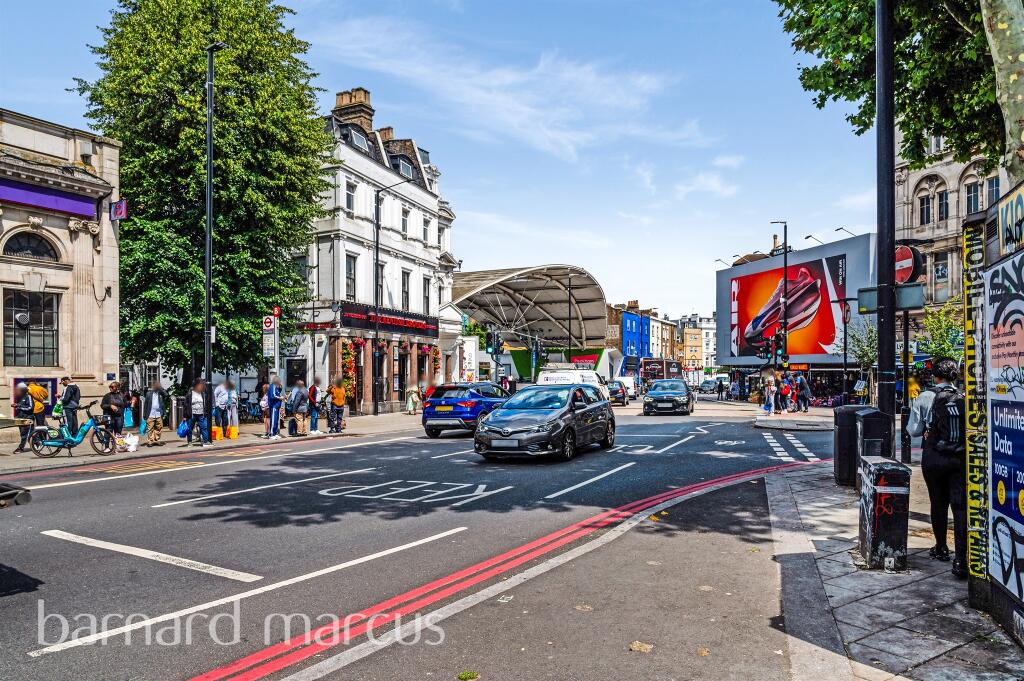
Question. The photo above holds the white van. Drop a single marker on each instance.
(567, 376)
(630, 383)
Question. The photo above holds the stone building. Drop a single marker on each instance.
(931, 204)
(708, 330)
(58, 255)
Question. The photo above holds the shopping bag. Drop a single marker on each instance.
(142, 428)
(183, 429)
(129, 418)
(217, 433)
(232, 432)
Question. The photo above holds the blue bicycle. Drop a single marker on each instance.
(48, 442)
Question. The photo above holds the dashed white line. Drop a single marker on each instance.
(678, 442)
(155, 555)
(587, 482)
(255, 489)
(441, 456)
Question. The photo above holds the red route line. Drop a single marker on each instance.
(338, 632)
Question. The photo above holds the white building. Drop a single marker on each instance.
(415, 264)
(708, 335)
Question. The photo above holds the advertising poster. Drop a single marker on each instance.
(815, 324)
(1004, 302)
(975, 398)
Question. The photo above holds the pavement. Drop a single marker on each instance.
(691, 549)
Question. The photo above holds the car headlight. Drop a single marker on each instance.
(648, 399)
(545, 427)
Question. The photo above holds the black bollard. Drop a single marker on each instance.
(884, 509)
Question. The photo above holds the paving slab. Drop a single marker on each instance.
(911, 645)
(880, 659)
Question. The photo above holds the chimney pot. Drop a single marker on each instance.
(775, 241)
(353, 106)
(387, 134)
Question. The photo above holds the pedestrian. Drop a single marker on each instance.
(275, 403)
(803, 393)
(232, 405)
(299, 401)
(197, 413)
(70, 400)
(24, 408)
(720, 388)
(336, 396)
(113, 407)
(316, 398)
(40, 395)
(154, 406)
(265, 408)
(412, 400)
(769, 394)
(220, 406)
(938, 415)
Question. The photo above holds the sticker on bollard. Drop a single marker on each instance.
(884, 510)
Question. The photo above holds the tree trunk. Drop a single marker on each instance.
(1004, 28)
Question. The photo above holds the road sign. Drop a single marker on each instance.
(118, 210)
(846, 312)
(908, 264)
(269, 323)
(277, 310)
(269, 346)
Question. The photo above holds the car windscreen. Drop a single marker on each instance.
(669, 385)
(615, 385)
(450, 392)
(538, 398)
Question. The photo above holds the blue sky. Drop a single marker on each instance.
(641, 140)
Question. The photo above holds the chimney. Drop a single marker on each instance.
(386, 134)
(775, 241)
(353, 106)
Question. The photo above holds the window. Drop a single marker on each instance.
(440, 236)
(380, 283)
(925, 209)
(405, 168)
(406, 275)
(973, 197)
(405, 222)
(993, 191)
(359, 139)
(426, 295)
(940, 277)
(28, 245)
(424, 156)
(350, 277)
(350, 196)
(325, 268)
(152, 374)
(943, 201)
(30, 328)
(426, 230)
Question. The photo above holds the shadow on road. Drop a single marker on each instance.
(14, 582)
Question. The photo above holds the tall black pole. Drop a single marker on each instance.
(886, 187)
(377, 364)
(905, 443)
(785, 289)
(568, 300)
(845, 369)
(208, 304)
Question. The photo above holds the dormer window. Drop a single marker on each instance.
(359, 140)
(405, 168)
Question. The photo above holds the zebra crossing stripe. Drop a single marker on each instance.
(779, 450)
(799, 446)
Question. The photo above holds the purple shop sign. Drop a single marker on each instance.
(46, 198)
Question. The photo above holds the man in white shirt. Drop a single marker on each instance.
(154, 405)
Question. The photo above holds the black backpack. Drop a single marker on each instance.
(946, 427)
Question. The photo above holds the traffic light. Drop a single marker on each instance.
(496, 340)
(779, 346)
(489, 343)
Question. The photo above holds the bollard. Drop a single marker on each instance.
(874, 433)
(844, 444)
(884, 511)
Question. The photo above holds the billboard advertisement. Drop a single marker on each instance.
(750, 298)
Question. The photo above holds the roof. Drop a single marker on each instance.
(534, 303)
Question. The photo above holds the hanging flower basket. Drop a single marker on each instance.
(405, 346)
(359, 342)
(435, 357)
(425, 349)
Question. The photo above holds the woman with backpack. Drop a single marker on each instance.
(938, 415)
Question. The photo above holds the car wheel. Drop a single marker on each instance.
(568, 450)
(433, 432)
(609, 436)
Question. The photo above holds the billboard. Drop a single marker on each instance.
(750, 302)
(975, 397)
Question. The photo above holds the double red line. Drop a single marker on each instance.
(281, 655)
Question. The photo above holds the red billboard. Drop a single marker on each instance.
(756, 308)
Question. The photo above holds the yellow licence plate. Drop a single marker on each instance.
(443, 408)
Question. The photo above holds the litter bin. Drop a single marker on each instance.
(874, 433)
(884, 509)
(844, 444)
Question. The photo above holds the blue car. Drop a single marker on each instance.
(459, 406)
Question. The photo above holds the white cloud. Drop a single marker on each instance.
(644, 172)
(860, 201)
(555, 104)
(706, 182)
(728, 161)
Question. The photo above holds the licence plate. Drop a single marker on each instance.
(443, 408)
(505, 443)
(665, 405)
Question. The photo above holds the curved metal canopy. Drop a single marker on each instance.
(556, 304)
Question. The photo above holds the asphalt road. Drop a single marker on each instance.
(205, 565)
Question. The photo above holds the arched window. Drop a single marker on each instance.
(28, 245)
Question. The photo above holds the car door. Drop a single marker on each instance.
(596, 412)
(581, 420)
(493, 396)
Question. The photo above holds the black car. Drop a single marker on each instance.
(669, 396)
(617, 392)
(547, 420)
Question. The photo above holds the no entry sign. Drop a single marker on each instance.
(908, 264)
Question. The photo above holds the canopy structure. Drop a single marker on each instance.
(555, 304)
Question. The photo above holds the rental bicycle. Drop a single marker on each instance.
(48, 442)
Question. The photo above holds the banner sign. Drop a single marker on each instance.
(357, 316)
(975, 398)
(1004, 302)
(1011, 218)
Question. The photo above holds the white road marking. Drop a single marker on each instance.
(699, 431)
(587, 482)
(678, 442)
(235, 461)
(779, 450)
(108, 633)
(441, 456)
(155, 555)
(799, 446)
(617, 434)
(404, 632)
(254, 489)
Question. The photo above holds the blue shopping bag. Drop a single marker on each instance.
(183, 428)
(129, 418)
(142, 428)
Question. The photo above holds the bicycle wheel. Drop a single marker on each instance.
(39, 447)
(102, 441)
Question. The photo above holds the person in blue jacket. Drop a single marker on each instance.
(274, 401)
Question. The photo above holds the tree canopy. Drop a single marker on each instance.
(270, 147)
(944, 331)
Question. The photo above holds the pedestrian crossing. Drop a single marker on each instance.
(782, 454)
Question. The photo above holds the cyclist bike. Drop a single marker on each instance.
(48, 442)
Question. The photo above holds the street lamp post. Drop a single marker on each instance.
(843, 229)
(378, 374)
(723, 262)
(208, 302)
(811, 236)
(885, 170)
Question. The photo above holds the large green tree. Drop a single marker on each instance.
(959, 71)
(270, 148)
(943, 336)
